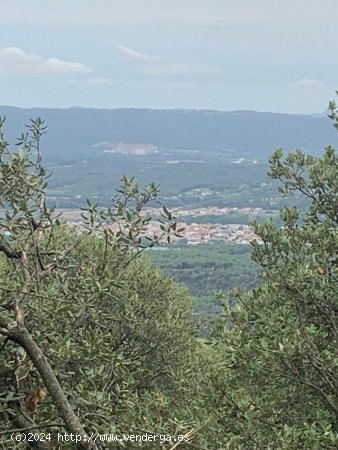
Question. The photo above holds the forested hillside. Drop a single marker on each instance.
(96, 341)
(207, 269)
(223, 154)
(73, 131)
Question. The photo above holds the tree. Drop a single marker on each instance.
(277, 384)
(90, 334)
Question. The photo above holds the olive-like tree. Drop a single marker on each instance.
(82, 328)
(277, 386)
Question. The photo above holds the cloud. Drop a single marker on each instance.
(152, 12)
(180, 69)
(16, 61)
(179, 84)
(99, 80)
(306, 82)
(133, 54)
(58, 66)
(219, 84)
(158, 67)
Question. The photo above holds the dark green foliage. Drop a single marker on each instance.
(93, 339)
(118, 341)
(206, 269)
(188, 137)
(242, 219)
(277, 384)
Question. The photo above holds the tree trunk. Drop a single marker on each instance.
(22, 337)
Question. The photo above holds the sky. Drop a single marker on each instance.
(263, 55)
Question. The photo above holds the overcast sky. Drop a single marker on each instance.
(265, 55)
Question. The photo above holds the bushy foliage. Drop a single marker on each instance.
(94, 338)
(277, 384)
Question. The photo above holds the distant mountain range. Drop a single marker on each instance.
(73, 131)
(90, 149)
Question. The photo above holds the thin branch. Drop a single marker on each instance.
(22, 337)
(20, 421)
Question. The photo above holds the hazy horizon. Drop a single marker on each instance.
(319, 113)
(266, 56)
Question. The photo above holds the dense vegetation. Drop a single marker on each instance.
(207, 269)
(233, 218)
(95, 339)
(278, 385)
(196, 149)
(87, 327)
